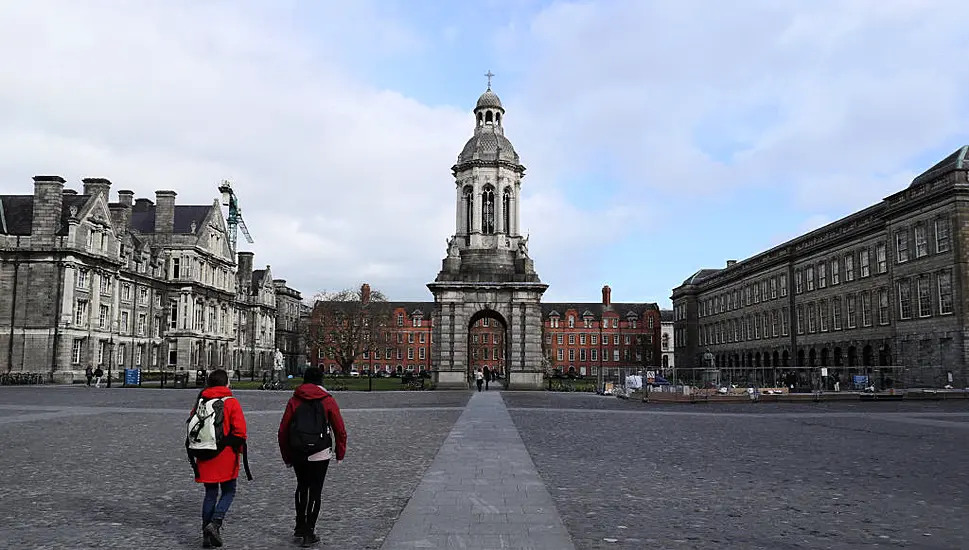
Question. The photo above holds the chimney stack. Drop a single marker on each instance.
(126, 197)
(97, 186)
(731, 263)
(606, 296)
(365, 293)
(165, 213)
(244, 270)
(48, 206)
(143, 205)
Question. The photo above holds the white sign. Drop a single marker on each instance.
(824, 371)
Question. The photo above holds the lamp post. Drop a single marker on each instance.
(110, 358)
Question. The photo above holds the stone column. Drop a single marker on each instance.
(459, 211)
(500, 211)
(515, 197)
(476, 210)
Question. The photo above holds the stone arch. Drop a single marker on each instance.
(825, 357)
(813, 358)
(666, 361)
(868, 356)
(489, 117)
(786, 358)
(852, 356)
(838, 357)
(777, 357)
(884, 356)
(499, 328)
(800, 357)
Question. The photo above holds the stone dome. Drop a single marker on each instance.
(489, 145)
(489, 100)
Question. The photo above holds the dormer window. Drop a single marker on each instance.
(571, 321)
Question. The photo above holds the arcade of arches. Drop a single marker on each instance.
(769, 367)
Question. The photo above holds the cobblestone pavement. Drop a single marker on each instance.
(86, 468)
(832, 475)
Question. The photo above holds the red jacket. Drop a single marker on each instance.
(308, 392)
(225, 465)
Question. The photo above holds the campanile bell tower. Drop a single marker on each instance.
(487, 272)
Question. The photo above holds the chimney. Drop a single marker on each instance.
(97, 186)
(48, 205)
(244, 270)
(731, 263)
(606, 296)
(70, 192)
(365, 293)
(143, 205)
(165, 214)
(126, 197)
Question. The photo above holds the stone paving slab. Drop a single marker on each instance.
(481, 492)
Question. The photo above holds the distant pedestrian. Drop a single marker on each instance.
(310, 429)
(837, 381)
(89, 374)
(487, 376)
(98, 374)
(215, 439)
(479, 379)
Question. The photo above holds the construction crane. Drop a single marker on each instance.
(234, 220)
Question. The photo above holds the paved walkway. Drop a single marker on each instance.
(482, 491)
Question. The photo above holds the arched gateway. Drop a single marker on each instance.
(487, 273)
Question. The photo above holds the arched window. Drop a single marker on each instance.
(506, 211)
(488, 211)
(468, 210)
(488, 118)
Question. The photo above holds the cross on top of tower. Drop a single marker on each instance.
(489, 74)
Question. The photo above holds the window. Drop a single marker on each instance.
(143, 295)
(809, 275)
(417, 321)
(76, 347)
(571, 355)
(881, 257)
(849, 267)
(82, 278)
(421, 339)
(560, 354)
(945, 292)
(122, 349)
(582, 354)
(773, 323)
(921, 241)
(615, 323)
(571, 339)
(594, 339)
(126, 292)
(942, 235)
(571, 321)
(560, 339)
(866, 309)
(410, 354)
(626, 339)
(783, 285)
(410, 338)
(400, 319)
(883, 306)
(474, 339)
(124, 321)
(823, 315)
(904, 299)
(835, 271)
(156, 327)
(176, 268)
(822, 275)
(784, 321)
(615, 339)
(582, 339)
(836, 312)
(173, 314)
(102, 347)
(812, 315)
(594, 354)
(615, 355)
(400, 354)
(925, 296)
(850, 311)
(864, 262)
(773, 288)
(105, 284)
(139, 354)
(80, 312)
(798, 282)
(800, 319)
(103, 317)
(901, 246)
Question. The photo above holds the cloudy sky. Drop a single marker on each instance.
(659, 137)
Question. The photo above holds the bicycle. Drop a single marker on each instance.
(271, 384)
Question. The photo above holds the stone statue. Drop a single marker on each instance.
(278, 360)
(523, 246)
(452, 247)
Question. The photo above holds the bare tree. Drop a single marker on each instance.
(347, 324)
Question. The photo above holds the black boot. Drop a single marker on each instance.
(213, 531)
(310, 538)
(300, 528)
(206, 540)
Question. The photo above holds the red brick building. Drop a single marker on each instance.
(580, 338)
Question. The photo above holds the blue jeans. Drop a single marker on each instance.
(214, 507)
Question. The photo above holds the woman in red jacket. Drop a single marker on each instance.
(221, 471)
(311, 470)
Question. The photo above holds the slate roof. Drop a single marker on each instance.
(666, 315)
(411, 307)
(596, 308)
(958, 160)
(489, 145)
(143, 218)
(700, 275)
(17, 213)
(487, 100)
(257, 277)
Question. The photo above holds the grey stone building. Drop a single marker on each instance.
(881, 293)
(487, 272)
(289, 328)
(136, 283)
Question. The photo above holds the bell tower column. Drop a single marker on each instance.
(460, 210)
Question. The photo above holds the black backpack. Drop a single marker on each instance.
(309, 431)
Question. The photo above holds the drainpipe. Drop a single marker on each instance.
(13, 312)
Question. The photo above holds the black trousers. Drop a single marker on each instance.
(309, 490)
